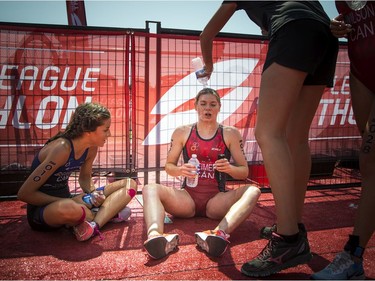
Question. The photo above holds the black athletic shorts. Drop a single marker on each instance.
(306, 45)
(35, 218)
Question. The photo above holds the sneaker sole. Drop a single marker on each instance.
(213, 245)
(320, 277)
(160, 247)
(301, 259)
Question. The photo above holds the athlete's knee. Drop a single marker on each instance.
(151, 190)
(69, 211)
(253, 190)
(268, 136)
(259, 135)
(129, 185)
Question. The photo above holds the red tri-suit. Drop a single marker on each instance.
(207, 151)
(361, 41)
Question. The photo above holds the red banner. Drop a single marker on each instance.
(149, 89)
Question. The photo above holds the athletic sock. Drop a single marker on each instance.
(290, 239)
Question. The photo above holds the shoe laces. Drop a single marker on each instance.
(341, 262)
(266, 252)
(219, 232)
(96, 230)
(268, 249)
(222, 234)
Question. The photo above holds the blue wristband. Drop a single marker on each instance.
(100, 188)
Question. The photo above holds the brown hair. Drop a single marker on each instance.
(207, 91)
(86, 118)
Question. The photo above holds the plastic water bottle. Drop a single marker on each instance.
(197, 65)
(123, 215)
(88, 199)
(193, 182)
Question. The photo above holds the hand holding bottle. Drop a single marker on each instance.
(193, 180)
(200, 71)
(93, 199)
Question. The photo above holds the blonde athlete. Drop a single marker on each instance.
(207, 139)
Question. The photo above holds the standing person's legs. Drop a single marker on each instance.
(348, 264)
(363, 101)
(277, 99)
(298, 139)
(301, 53)
(312, 57)
(287, 247)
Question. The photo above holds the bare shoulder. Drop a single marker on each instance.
(182, 131)
(231, 135)
(231, 131)
(56, 150)
(59, 145)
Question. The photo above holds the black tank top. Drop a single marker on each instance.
(57, 184)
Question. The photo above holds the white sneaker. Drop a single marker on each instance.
(214, 242)
(159, 246)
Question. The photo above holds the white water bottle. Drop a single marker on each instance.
(193, 182)
(197, 64)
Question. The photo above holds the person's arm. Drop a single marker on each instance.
(52, 157)
(178, 141)
(213, 27)
(239, 169)
(85, 173)
(85, 180)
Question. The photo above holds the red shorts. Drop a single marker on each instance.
(201, 194)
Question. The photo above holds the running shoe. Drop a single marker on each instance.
(122, 216)
(266, 232)
(342, 268)
(214, 242)
(159, 246)
(278, 255)
(85, 230)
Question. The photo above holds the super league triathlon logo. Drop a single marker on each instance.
(356, 5)
(227, 74)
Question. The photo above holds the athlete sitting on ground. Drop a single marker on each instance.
(206, 138)
(50, 203)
